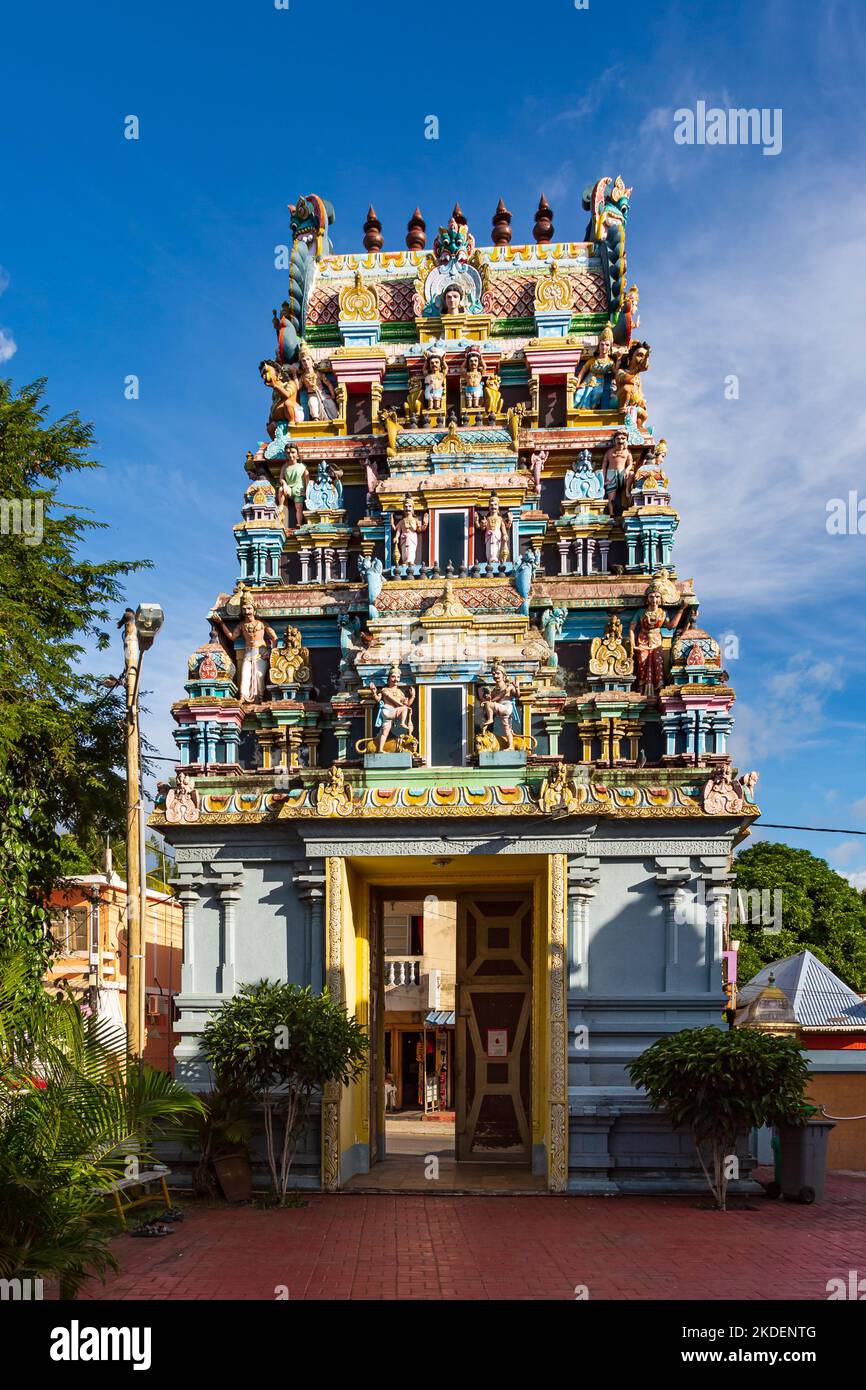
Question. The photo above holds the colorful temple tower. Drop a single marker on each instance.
(457, 659)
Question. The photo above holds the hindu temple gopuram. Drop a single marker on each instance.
(456, 661)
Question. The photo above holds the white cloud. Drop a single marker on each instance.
(845, 853)
(793, 703)
(857, 879)
(8, 345)
(4, 279)
(859, 808)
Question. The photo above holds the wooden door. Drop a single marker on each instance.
(494, 1006)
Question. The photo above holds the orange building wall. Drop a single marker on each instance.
(843, 1093)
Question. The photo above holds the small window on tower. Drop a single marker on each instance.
(451, 539)
(445, 746)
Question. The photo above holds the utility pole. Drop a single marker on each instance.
(134, 925)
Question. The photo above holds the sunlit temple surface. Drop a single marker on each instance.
(457, 663)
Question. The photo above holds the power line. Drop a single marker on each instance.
(817, 829)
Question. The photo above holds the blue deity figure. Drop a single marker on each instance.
(552, 622)
(582, 480)
(326, 493)
(523, 575)
(370, 569)
(594, 385)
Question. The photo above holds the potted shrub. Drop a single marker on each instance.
(282, 1044)
(721, 1085)
(221, 1138)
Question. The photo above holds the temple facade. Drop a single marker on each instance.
(457, 664)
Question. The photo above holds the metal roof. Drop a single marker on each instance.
(439, 1018)
(817, 996)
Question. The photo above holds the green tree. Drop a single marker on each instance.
(281, 1044)
(721, 1085)
(61, 728)
(820, 912)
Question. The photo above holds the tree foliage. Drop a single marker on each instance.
(282, 1044)
(721, 1085)
(61, 729)
(820, 912)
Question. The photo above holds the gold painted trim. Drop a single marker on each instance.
(334, 979)
(557, 1163)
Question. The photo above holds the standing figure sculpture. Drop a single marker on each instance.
(407, 530)
(292, 484)
(285, 404)
(472, 380)
(628, 387)
(536, 467)
(321, 400)
(593, 389)
(552, 622)
(394, 707)
(434, 382)
(495, 529)
(645, 638)
(257, 640)
(617, 469)
(499, 699)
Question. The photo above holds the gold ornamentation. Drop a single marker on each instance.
(334, 797)
(359, 303)
(488, 742)
(607, 655)
(552, 291)
(558, 792)
(404, 743)
(451, 443)
(557, 1180)
(492, 394)
(290, 663)
(334, 978)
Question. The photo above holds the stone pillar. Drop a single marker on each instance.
(343, 562)
(305, 555)
(310, 885)
(327, 560)
(342, 730)
(582, 884)
(553, 728)
(563, 547)
(578, 555)
(229, 892)
(188, 896)
(717, 896)
(590, 554)
(604, 547)
(671, 883)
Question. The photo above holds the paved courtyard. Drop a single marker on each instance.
(369, 1246)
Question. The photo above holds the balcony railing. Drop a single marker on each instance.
(402, 970)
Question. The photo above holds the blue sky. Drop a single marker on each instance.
(155, 257)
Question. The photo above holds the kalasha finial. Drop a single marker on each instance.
(416, 232)
(543, 229)
(373, 239)
(501, 225)
(458, 214)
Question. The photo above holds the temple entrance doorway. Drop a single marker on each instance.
(450, 1025)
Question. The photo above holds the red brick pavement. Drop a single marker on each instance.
(422, 1247)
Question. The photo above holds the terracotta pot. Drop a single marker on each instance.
(234, 1176)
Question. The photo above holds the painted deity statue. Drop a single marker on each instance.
(492, 395)
(407, 530)
(285, 403)
(371, 569)
(552, 622)
(394, 707)
(499, 699)
(645, 639)
(617, 469)
(629, 391)
(454, 243)
(292, 484)
(472, 380)
(582, 480)
(257, 639)
(453, 300)
(326, 493)
(595, 380)
(495, 529)
(321, 399)
(434, 381)
(536, 467)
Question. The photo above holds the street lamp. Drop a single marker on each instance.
(139, 631)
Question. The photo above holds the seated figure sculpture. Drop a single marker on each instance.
(594, 387)
(394, 708)
(499, 700)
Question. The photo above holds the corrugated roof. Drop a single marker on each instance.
(818, 997)
(439, 1018)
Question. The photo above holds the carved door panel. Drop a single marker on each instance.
(375, 1024)
(494, 973)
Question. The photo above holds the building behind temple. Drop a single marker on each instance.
(457, 659)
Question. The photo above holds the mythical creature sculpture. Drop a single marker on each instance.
(499, 699)
(558, 792)
(290, 663)
(645, 637)
(523, 575)
(608, 205)
(582, 480)
(391, 422)
(407, 530)
(257, 639)
(628, 385)
(513, 419)
(394, 707)
(310, 220)
(182, 806)
(349, 628)
(495, 530)
(371, 569)
(552, 622)
(492, 395)
(454, 242)
(595, 381)
(725, 794)
(414, 399)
